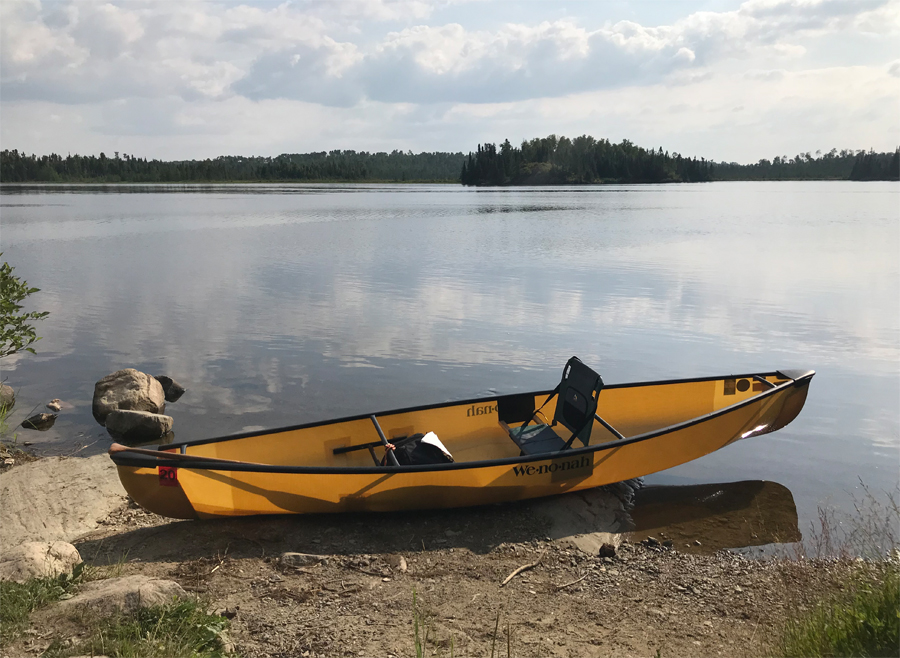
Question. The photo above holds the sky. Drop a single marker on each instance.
(190, 79)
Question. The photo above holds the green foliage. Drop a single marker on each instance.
(559, 160)
(19, 600)
(876, 166)
(17, 332)
(350, 166)
(864, 623)
(834, 165)
(181, 629)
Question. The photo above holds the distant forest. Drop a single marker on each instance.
(542, 161)
(349, 166)
(551, 160)
(836, 165)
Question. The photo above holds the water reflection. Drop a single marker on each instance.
(705, 518)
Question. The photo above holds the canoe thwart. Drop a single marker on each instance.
(609, 427)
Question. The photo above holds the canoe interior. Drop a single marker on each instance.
(470, 429)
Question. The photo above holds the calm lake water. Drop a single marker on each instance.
(277, 305)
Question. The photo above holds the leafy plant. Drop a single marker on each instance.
(17, 332)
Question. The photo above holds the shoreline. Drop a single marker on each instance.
(358, 599)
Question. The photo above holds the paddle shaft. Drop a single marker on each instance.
(162, 454)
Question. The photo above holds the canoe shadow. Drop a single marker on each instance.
(721, 515)
(478, 529)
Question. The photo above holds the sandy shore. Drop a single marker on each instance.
(360, 600)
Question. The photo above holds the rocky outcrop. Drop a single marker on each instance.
(7, 396)
(125, 594)
(56, 499)
(172, 389)
(127, 390)
(38, 559)
(138, 426)
(40, 422)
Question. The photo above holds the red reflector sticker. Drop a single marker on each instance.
(168, 476)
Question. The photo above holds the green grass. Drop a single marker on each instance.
(181, 629)
(863, 622)
(19, 600)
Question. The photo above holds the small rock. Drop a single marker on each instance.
(171, 389)
(127, 594)
(668, 543)
(697, 542)
(738, 589)
(138, 426)
(9, 461)
(55, 404)
(302, 559)
(38, 559)
(7, 396)
(651, 541)
(39, 422)
(607, 550)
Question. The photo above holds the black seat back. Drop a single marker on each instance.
(578, 392)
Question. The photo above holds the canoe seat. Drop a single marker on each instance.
(576, 406)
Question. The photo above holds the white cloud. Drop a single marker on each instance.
(396, 73)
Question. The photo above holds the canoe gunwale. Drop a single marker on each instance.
(125, 458)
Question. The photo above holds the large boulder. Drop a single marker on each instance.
(125, 594)
(172, 389)
(138, 426)
(56, 499)
(129, 390)
(38, 559)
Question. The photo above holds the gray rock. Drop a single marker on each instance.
(172, 389)
(7, 396)
(125, 594)
(302, 559)
(40, 422)
(127, 390)
(138, 426)
(38, 559)
(607, 550)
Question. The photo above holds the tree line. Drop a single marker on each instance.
(353, 166)
(834, 165)
(560, 160)
(549, 160)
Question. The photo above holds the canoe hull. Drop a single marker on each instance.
(204, 491)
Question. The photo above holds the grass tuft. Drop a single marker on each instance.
(181, 629)
(19, 600)
(865, 622)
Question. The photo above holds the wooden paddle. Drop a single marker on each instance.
(162, 454)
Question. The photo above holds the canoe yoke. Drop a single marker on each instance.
(576, 408)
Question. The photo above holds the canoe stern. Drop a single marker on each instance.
(157, 490)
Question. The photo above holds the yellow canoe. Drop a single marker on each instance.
(335, 466)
